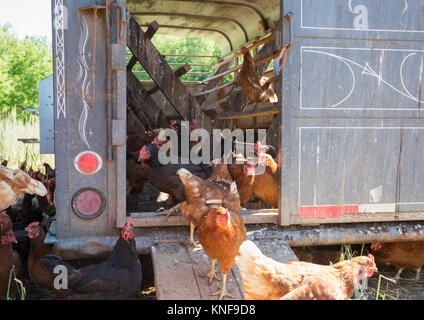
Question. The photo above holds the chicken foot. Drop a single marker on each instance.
(168, 212)
(212, 273)
(192, 242)
(417, 277)
(398, 274)
(222, 292)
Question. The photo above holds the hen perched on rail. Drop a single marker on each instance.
(255, 87)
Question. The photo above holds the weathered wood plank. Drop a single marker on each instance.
(222, 74)
(143, 219)
(215, 89)
(255, 113)
(177, 257)
(179, 72)
(151, 29)
(159, 70)
(274, 55)
(142, 105)
(131, 63)
(174, 276)
(201, 267)
(212, 84)
(216, 104)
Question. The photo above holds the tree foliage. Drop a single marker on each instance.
(23, 63)
(168, 45)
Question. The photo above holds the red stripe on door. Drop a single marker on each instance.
(326, 211)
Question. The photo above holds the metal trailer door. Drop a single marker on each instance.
(90, 115)
(352, 120)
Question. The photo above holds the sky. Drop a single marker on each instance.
(27, 17)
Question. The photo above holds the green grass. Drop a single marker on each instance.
(11, 129)
(12, 276)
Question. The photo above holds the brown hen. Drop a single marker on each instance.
(266, 279)
(38, 249)
(9, 258)
(16, 182)
(242, 175)
(221, 233)
(255, 87)
(219, 190)
(403, 255)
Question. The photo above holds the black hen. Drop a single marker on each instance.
(164, 177)
(119, 277)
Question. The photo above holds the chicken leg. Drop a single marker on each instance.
(222, 292)
(192, 242)
(170, 211)
(417, 277)
(212, 273)
(398, 274)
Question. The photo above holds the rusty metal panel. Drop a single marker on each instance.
(353, 130)
(46, 110)
(88, 95)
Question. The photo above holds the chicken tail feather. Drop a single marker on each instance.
(51, 261)
(273, 99)
(248, 251)
(39, 188)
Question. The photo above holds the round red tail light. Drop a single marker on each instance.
(88, 203)
(88, 162)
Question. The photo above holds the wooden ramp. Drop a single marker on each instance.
(179, 270)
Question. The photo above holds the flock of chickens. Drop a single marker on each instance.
(209, 197)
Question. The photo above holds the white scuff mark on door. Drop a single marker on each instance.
(405, 7)
(376, 194)
(377, 207)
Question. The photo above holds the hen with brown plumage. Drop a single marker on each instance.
(409, 254)
(257, 88)
(219, 190)
(242, 173)
(16, 182)
(221, 233)
(38, 250)
(266, 279)
(9, 258)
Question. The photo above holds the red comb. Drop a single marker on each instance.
(3, 213)
(371, 257)
(129, 222)
(194, 121)
(173, 123)
(33, 224)
(257, 145)
(142, 151)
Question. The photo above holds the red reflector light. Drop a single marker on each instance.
(88, 162)
(88, 203)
